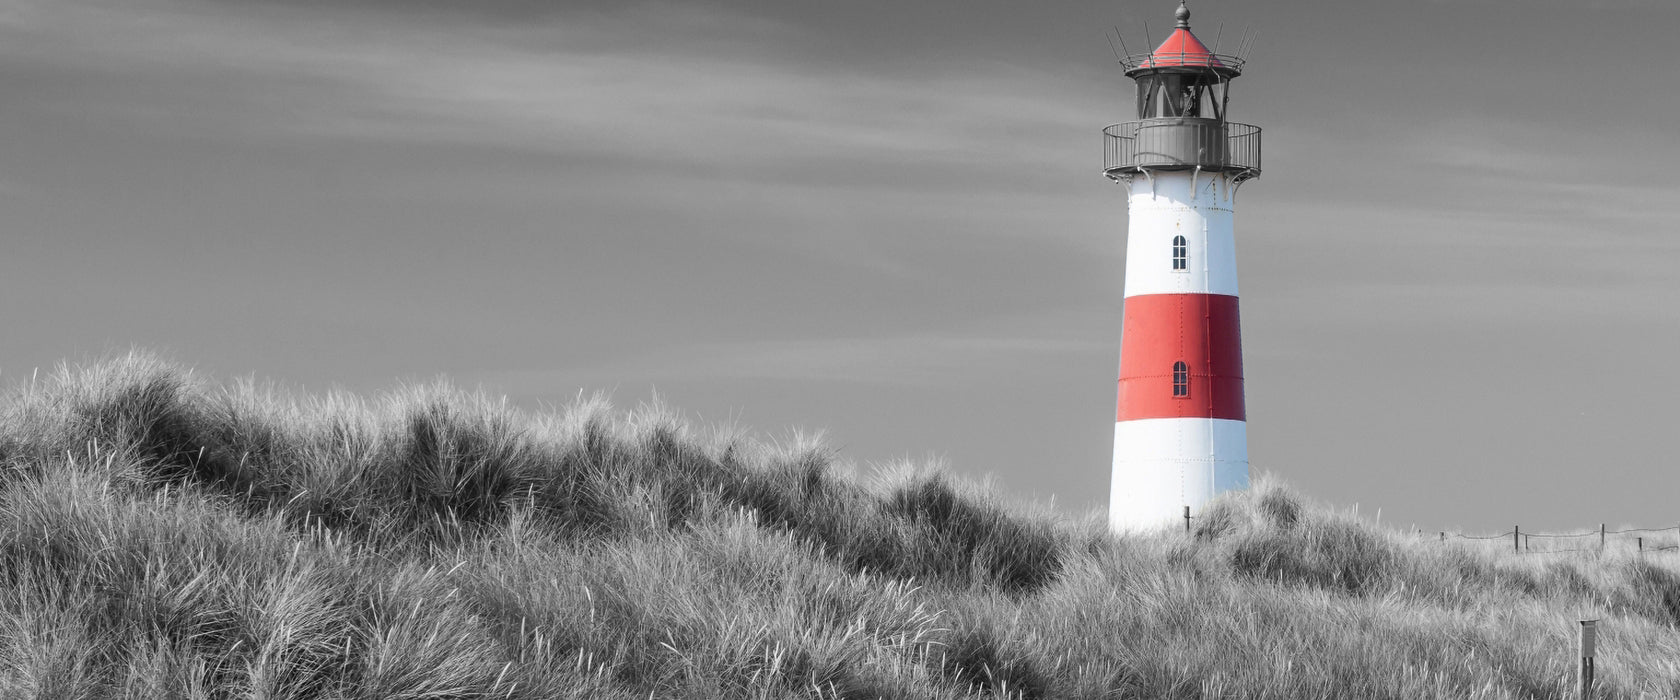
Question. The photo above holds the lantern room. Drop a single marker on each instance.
(1182, 77)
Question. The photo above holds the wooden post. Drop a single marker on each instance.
(1516, 538)
(1588, 640)
(1601, 535)
(1641, 544)
(1187, 520)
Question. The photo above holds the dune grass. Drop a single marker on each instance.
(164, 536)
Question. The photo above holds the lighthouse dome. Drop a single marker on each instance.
(1183, 52)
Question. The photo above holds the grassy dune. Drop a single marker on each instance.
(164, 536)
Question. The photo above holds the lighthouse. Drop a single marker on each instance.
(1180, 430)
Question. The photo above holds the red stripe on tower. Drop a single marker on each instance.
(1202, 332)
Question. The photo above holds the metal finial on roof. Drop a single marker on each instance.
(1183, 15)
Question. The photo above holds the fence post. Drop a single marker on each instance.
(1516, 539)
(1187, 520)
(1601, 535)
(1641, 544)
(1588, 640)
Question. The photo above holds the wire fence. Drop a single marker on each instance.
(1642, 539)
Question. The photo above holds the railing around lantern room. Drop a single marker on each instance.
(1181, 144)
(1227, 64)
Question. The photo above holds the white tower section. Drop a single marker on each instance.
(1197, 206)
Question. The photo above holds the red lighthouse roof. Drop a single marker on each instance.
(1183, 50)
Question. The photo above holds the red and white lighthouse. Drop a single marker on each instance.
(1180, 431)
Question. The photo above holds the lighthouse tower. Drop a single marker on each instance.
(1180, 432)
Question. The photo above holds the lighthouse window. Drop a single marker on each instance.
(1181, 380)
(1181, 254)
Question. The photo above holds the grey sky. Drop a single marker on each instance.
(883, 219)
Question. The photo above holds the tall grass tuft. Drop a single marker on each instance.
(165, 536)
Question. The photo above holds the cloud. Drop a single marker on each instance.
(491, 10)
(650, 84)
(928, 358)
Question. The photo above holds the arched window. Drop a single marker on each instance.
(1181, 380)
(1181, 254)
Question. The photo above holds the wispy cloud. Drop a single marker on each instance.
(913, 359)
(651, 82)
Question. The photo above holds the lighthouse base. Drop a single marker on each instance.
(1162, 465)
